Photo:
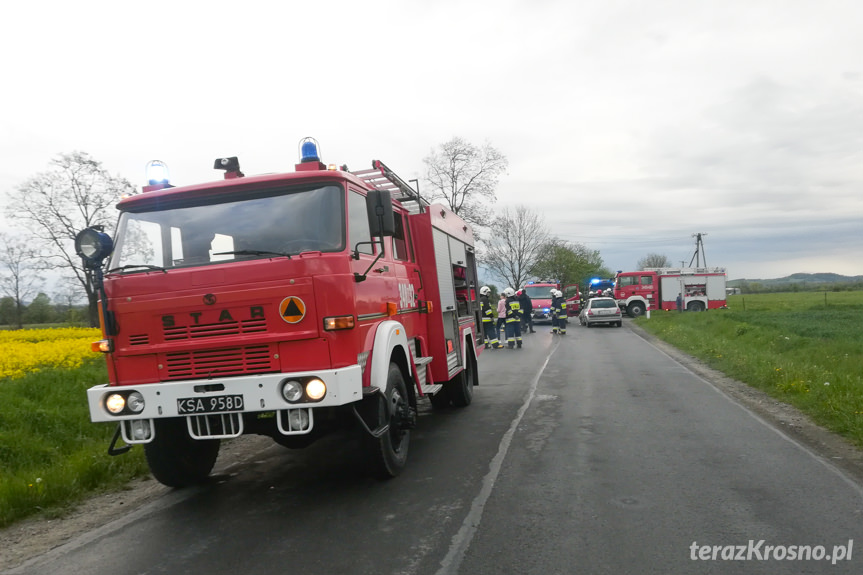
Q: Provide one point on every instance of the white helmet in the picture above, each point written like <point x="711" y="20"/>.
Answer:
<point x="558" y="293"/>
<point x="509" y="292"/>
<point x="484" y="290"/>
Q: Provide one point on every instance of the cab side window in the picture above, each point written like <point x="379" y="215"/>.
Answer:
<point x="401" y="240"/>
<point x="647" y="280"/>
<point x="358" y="224"/>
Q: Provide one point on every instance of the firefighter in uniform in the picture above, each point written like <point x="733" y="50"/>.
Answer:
<point x="558" y="311"/>
<point x="488" y="319"/>
<point x="553" y="313"/>
<point x="513" y="319"/>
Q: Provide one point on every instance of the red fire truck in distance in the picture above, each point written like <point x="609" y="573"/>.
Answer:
<point x="539" y="293"/>
<point x="286" y="305"/>
<point x="659" y="288"/>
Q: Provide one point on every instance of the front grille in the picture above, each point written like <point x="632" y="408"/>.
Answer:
<point x="181" y="332"/>
<point x="219" y="362"/>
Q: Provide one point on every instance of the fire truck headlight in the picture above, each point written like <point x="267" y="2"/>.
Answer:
<point x="298" y="419"/>
<point x="140" y="428"/>
<point x="292" y="391"/>
<point x="316" y="389"/>
<point x="135" y="402"/>
<point x="115" y="403"/>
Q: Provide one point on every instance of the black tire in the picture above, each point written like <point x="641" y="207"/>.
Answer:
<point x="440" y="400"/>
<point x="636" y="309"/>
<point x="389" y="452"/>
<point x="177" y="460"/>
<point x="695" y="306"/>
<point x="620" y="324"/>
<point x="460" y="388"/>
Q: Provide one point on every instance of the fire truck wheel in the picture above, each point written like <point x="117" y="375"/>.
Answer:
<point x="389" y="452"/>
<point x="177" y="460"/>
<point x="460" y="388"/>
<point x="440" y="400"/>
<point x="635" y="309"/>
<point x="695" y="306"/>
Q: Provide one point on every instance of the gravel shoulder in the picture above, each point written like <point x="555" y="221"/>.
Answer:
<point x="36" y="536"/>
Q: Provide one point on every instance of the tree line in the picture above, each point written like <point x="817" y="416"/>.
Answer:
<point x="514" y="244"/>
<point x="41" y="310"/>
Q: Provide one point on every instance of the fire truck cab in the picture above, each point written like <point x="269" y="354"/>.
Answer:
<point x="287" y="305"/>
<point x="539" y="293"/>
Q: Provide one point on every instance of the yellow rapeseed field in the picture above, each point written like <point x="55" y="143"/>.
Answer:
<point x="27" y="350"/>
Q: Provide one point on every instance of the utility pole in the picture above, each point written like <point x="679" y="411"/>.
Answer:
<point x="699" y="251"/>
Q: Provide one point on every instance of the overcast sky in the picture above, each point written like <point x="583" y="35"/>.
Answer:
<point x="629" y="125"/>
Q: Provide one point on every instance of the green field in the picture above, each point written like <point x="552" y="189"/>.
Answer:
<point x="51" y="455"/>
<point x="804" y="348"/>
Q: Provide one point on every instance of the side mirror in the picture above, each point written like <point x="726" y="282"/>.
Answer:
<point x="379" y="204"/>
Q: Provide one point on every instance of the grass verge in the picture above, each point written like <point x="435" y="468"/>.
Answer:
<point x="51" y="455"/>
<point x="803" y="349"/>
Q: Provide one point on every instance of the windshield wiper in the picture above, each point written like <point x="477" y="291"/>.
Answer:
<point x="135" y="266"/>
<point x="253" y="253"/>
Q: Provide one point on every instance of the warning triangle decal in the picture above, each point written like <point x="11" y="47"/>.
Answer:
<point x="292" y="309"/>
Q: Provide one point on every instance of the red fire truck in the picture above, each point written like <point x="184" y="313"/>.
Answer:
<point x="659" y="288"/>
<point x="286" y="305"/>
<point x="539" y="293"/>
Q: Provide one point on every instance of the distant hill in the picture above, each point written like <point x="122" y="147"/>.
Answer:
<point x="798" y="279"/>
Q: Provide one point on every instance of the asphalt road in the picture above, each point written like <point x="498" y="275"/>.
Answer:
<point x="592" y="452"/>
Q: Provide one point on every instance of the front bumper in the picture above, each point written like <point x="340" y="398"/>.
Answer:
<point x="259" y="393"/>
<point x="541" y="315"/>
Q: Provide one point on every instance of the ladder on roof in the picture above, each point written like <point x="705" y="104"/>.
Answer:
<point x="381" y="177"/>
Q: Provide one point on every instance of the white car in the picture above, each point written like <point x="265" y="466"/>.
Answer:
<point x="601" y="310"/>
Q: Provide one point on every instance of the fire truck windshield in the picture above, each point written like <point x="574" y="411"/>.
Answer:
<point x="215" y="229"/>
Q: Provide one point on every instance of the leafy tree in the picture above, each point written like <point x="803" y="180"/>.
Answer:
<point x="18" y="279"/>
<point x="76" y="192"/>
<point x="653" y="261"/>
<point x="40" y="310"/>
<point x="465" y="176"/>
<point x="569" y="263"/>
<point x="515" y="245"/>
<point x="8" y="311"/>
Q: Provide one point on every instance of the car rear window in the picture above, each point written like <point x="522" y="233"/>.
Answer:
<point x="603" y="303"/>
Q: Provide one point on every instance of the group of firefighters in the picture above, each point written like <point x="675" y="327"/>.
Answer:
<point x="514" y="311"/>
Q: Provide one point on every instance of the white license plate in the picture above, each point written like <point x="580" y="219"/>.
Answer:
<point x="209" y="404"/>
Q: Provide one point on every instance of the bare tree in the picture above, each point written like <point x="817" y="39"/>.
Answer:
<point x="515" y="245"/>
<point x="18" y="274"/>
<point x="75" y="193"/>
<point x="465" y="177"/>
<point x="653" y="261"/>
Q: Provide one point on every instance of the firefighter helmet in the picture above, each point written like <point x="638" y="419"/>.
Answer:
<point x="509" y="292"/>
<point x="484" y="290"/>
